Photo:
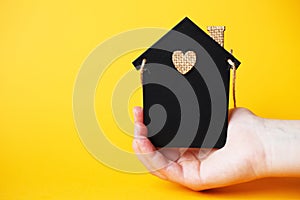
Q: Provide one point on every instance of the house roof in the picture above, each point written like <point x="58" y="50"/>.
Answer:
<point x="192" y="31"/>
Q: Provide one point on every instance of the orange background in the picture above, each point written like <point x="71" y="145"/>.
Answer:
<point x="42" y="46"/>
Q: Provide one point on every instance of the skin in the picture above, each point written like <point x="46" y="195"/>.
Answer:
<point x="255" y="148"/>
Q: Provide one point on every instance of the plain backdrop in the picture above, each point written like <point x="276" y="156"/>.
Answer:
<point x="42" y="47"/>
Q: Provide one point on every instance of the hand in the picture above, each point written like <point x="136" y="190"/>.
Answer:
<point x="247" y="155"/>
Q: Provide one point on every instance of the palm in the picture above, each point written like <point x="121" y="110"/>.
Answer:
<point x="201" y="168"/>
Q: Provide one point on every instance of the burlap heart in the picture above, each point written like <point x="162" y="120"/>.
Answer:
<point x="184" y="62"/>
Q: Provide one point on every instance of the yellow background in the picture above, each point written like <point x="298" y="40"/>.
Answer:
<point x="43" y="44"/>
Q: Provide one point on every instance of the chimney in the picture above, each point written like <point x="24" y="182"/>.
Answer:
<point x="217" y="33"/>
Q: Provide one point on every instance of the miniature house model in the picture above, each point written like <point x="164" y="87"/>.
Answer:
<point x="185" y="78"/>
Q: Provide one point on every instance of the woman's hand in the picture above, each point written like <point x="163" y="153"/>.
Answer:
<point x="248" y="154"/>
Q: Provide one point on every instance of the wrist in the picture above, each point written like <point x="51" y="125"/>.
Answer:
<point x="281" y="139"/>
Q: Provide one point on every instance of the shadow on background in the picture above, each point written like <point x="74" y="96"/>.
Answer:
<point x="275" y="188"/>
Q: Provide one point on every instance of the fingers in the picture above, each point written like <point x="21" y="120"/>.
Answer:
<point x="146" y="152"/>
<point x="150" y="157"/>
<point x="170" y="153"/>
<point x="138" y="114"/>
<point x="203" y="153"/>
<point x="154" y="160"/>
<point x="140" y="130"/>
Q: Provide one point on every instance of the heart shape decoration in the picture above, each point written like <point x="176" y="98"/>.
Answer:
<point x="184" y="62"/>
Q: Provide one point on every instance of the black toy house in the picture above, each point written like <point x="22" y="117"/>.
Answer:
<point x="185" y="77"/>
